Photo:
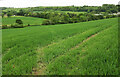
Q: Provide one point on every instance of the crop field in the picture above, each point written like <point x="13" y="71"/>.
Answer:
<point x="26" y="20"/>
<point x="86" y="48"/>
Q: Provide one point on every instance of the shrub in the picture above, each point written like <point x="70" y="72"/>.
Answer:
<point x="118" y="15"/>
<point x="83" y="19"/>
<point x="19" y="21"/>
<point x="28" y="25"/>
<point x="16" y="25"/>
<point x="2" y="15"/>
<point x="111" y="16"/>
<point x="9" y="14"/>
<point x="48" y="22"/>
<point x="4" y="27"/>
<point x="100" y="17"/>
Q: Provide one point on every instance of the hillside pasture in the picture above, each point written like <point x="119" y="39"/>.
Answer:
<point x="26" y="20"/>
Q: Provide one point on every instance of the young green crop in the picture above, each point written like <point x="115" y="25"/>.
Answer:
<point x="96" y="56"/>
<point x="20" y="45"/>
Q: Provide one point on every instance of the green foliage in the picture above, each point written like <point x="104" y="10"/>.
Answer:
<point x="67" y="14"/>
<point x="64" y="18"/>
<point x="9" y="14"/>
<point x="100" y="17"/>
<point x="16" y="25"/>
<point x="19" y="21"/>
<point x="28" y="24"/>
<point x="21" y="12"/>
<point x="83" y="18"/>
<point x="111" y="8"/>
<point x="48" y="22"/>
<point x="4" y="27"/>
<point x="3" y="15"/>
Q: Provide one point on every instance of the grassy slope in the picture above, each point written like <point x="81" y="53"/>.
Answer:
<point x="22" y="47"/>
<point x="26" y="20"/>
<point x="96" y="56"/>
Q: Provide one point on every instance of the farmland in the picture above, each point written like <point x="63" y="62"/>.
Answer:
<point x="61" y="12"/>
<point x="86" y="48"/>
<point x="26" y="20"/>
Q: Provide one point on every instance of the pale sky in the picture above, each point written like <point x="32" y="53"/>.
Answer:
<point x="33" y="3"/>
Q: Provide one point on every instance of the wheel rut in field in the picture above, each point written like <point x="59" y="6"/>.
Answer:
<point x="41" y="66"/>
<point x="93" y="35"/>
<point x="78" y="45"/>
<point x="39" y="70"/>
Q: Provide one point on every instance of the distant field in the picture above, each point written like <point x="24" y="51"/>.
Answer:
<point x="86" y="48"/>
<point x="61" y="12"/>
<point x="26" y="20"/>
<point x="72" y="12"/>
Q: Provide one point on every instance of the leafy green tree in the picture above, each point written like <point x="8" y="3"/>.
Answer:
<point x="48" y="22"/>
<point x="4" y="27"/>
<point x="2" y="15"/>
<point x="21" y="12"/>
<point x="29" y="14"/>
<point x="16" y="25"/>
<point x="100" y="17"/>
<point x="66" y="18"/>
<point x="19" y="21"/>
<point x="9" y="14"/>
<point x="83" y="18"/>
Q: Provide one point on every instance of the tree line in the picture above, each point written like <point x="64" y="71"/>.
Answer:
<point x="109" y="8"/>
<point x="105" y="8"/>
<point x="65" y="17"/>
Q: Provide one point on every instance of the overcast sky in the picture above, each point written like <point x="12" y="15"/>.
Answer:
<point x="33" y="3"/>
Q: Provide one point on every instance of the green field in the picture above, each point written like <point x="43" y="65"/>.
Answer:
<point x="71" y="12"/>
<point x="86" y="48"/>
<point x="26" y="20"/>
<point x="60" y="12"/>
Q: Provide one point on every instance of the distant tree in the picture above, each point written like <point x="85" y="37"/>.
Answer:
<point x="66" y="18"/>
<point x="3" y="8"/>
<point x="100" y="17"/>
<point x="109" y="11"/>
<point x="19" y="21"/>
<point x="2" y="15"/>
<point x="83" y="18"/>
<point x="114" y="10"/>
<point x="9" y="14"/>
<point x="54" y="19"/>
<point x="21" y="12"/>
<point x="28" y="25"/>
<point x="29" y="14"/>
<point x="48" y="22"/>
<point x="4" y="27"/>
